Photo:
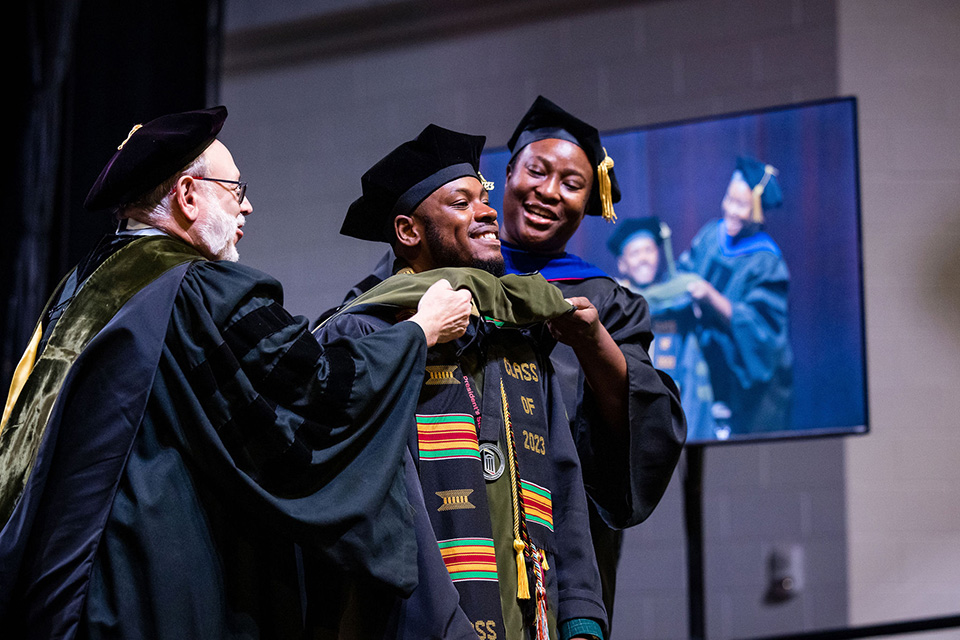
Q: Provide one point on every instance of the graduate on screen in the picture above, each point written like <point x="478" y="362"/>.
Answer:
<point x="743" y="326"/>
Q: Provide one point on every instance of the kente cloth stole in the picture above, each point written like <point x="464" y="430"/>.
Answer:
<point x="453" y="455"/>
<point x="103" y="294"/>
<point x="457" y="456"/>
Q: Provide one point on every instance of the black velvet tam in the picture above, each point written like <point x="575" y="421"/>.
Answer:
<point x="152" y="153"/>
<point x="546" y="120"/>
<point x="399" y="182"/>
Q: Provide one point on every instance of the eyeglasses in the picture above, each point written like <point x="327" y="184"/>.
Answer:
<point x="240" y="189"/>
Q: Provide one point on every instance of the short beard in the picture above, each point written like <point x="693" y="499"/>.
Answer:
<point x="216" y="232"/>
<point x="444" y="256"/>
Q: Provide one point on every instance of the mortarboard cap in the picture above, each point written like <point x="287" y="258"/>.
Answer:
<point x="762" y="179"/>
<point x="631" y="228"/>
<point x="152" y="153"/>
<point x="404" y="178"/>
<point x="546" y="120"/>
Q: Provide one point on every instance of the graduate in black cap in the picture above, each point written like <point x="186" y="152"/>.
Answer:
<point x="637" y="244"/>
<point x="644" y="251"/>
<point x="501" y="519"/>
<point x="176" y="445"/>
<point x="743" y="298"/>
<point x="625" y="415"/>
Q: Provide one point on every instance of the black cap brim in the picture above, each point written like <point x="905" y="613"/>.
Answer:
<point x="406" y="176"/>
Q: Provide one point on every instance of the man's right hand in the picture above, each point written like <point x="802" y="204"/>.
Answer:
<point x="443" y="313"/>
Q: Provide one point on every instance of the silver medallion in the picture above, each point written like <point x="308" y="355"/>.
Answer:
<point x="493" y="461"/>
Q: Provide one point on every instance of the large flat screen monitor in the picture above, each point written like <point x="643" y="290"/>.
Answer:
<point x="759" y="322"/>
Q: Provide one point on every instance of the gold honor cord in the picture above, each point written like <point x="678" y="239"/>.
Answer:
<point x="21" y="373"/>
<point x="768" y="171"/>
<point x="537" y="556"/>
<point x="606" y="190"/>
<point x="523" y="588"/>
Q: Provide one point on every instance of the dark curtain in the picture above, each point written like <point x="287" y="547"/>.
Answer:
<point x="83" y="72"/>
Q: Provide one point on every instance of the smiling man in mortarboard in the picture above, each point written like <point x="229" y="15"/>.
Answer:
<point x="501" y="521"/>
<point x="175" y="444"/>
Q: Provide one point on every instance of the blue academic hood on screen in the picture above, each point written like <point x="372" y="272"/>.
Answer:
<point x="791" y="361"/>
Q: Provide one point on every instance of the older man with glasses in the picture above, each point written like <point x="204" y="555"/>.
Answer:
<point x="176" y="447"/>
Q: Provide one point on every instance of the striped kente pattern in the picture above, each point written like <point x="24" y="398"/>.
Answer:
<point x="447" y="437"/>
<point x="537" y="503"/>
<point x="469" y="559"/>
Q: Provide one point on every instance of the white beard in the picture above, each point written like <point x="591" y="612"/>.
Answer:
<point x="217" y="231"/>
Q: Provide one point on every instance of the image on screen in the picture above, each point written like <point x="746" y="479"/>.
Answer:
<point x="742" y="231"/>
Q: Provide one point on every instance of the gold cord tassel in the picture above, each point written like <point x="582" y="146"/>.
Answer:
<point x="606" y="190"/>
<point x="768" y="171"/>
<point x="523" y="586"/>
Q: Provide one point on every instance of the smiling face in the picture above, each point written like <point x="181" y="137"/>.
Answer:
<point x="737" y="205"/>
<point x="453" y="227"/>
<point x="639" y="260"/>
<point x="548" y="188"/>
<point x="217" y="229"/>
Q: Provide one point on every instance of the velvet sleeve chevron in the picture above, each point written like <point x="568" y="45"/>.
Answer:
<point x="311" y="438"/>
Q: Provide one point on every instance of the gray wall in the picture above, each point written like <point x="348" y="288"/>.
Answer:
<point x="313" y="106"/>
<point x="902" y="58"/>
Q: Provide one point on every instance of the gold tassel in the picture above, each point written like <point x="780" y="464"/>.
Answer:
<point x="757" y="215"/>
<point x="523" y="587"/>
<point x="606" y="189"/>
<point x="768" y="171"/>
<point x="21" y="373"/>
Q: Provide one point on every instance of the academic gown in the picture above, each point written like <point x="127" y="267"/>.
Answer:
<point x="434" y="609"/>
<point x="750" y="359"/>
<point x="624" y="484"/>
<point x="200" y="452"/>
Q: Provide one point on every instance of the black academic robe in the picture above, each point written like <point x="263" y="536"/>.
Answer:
<point x="625" y="484"/>
<point x="201" y="449"/>
<point x="750" y="359"/>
